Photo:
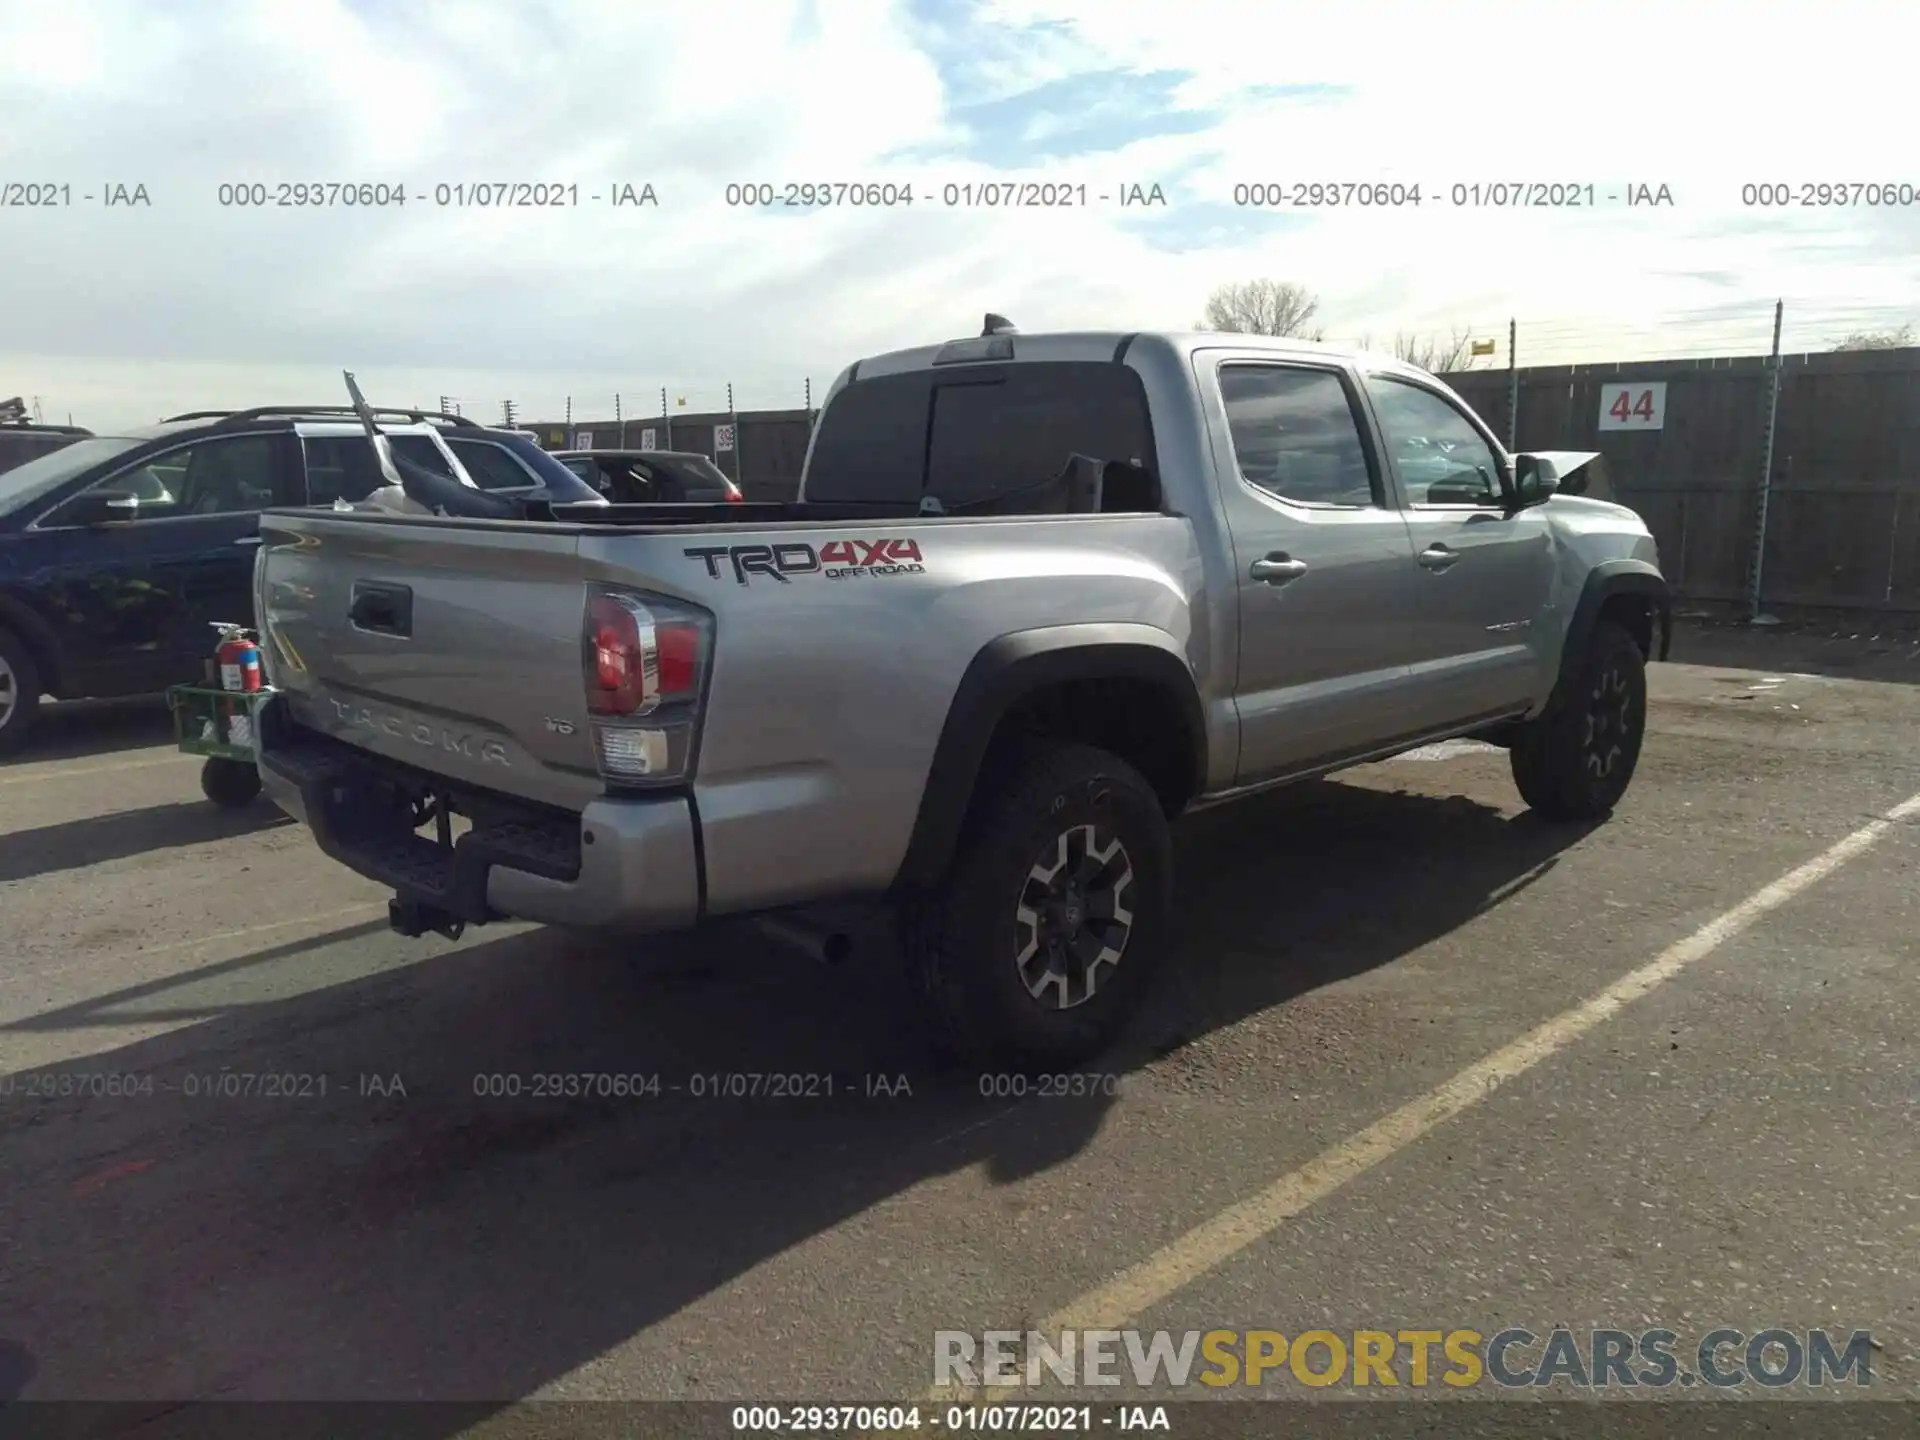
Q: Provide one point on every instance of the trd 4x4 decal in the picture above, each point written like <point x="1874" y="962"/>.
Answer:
<point x="837" y="559"/>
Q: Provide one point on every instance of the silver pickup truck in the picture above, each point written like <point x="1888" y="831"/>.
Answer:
<point x="1039" y="596"/>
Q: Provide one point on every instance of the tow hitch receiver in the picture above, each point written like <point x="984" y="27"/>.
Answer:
<point x="412" y="919"/>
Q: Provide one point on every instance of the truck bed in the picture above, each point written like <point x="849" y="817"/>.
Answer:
<point x="839" y="643"/>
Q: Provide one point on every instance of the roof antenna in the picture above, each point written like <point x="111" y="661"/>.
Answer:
<point x="999" y="325"/>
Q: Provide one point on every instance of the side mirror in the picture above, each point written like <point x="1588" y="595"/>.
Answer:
<point x="1535" y="480"/>
<point x="105" y="507"/>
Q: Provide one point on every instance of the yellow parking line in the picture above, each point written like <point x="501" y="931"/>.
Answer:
<point x="1213" y="1242"/>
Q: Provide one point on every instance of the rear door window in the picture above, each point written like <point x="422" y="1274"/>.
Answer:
<point x="340" y="468"/>
<point x="420" y="450"/>
<point x="492" y="467"/>
<point x="1296" y="435"/>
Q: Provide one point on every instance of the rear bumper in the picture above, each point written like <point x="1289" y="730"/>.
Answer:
<point x="625" y="864"/>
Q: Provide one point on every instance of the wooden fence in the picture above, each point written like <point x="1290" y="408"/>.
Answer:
<point x="1843" y="514"/>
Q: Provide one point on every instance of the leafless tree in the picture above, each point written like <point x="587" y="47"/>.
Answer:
<point x="1878" y="339"/>
<point x="1432" y="354"/>
<point x="1263" y="307"/>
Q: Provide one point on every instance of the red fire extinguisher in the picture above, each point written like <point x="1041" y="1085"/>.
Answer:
<point x="239" y="660"/>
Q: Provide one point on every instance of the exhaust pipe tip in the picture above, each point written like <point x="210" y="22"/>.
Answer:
<point x="829" y="947"/>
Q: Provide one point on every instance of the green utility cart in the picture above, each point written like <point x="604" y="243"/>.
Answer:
<point x="223" y="726"/>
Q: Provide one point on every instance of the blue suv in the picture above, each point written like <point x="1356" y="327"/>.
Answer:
<point x="118" y="553"/>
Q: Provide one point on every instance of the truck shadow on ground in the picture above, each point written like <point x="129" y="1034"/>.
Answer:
<point x="451" y="1243"/>
<point x="78" y="729"/>
<point x="98" y="839"/>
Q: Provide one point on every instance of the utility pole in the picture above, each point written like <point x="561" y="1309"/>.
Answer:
<point x="733" y="428"/>
<point x="506" y="413"/>
<point x="666" y="418"/>
<point x="1513" y="384"/>
<point x="620" y="420"/>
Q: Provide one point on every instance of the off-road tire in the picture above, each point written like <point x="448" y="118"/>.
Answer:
<point x="230" y="784"/>
<point x="1576" y="761"/>
<point x="964" y="940"/>
<point x="19" y="720"/>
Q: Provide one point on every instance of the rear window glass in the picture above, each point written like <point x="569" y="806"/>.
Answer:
<point x="1019" y="432"/>
<point x="872" y="445"/>
<point x="973" y="436"/>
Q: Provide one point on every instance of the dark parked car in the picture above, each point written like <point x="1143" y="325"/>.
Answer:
<point x="659" y="477"/>
<point x="22" y="440"/>
<point x="118" y="553"/>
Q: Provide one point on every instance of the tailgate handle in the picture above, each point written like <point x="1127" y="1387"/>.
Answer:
<point x="382" y="609"/>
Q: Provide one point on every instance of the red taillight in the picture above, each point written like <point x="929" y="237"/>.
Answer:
<point x="677" y="647"/>
<point x="734" y="497"/>
<point x="616" y="683"/>
<point x="638" y="659"/>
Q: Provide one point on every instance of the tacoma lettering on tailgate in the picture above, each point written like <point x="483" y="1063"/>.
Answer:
<point x="837" y="559"/>
<point x="435" y="737"/>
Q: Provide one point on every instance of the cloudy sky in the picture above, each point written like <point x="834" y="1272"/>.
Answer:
<point x="119" y="313"/>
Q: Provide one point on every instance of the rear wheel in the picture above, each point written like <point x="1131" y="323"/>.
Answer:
<point x="1054" y="916"/>
<point x="1576" y="762"/>
<point x="19" y="692"/>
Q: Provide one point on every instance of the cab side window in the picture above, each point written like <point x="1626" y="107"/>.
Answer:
<point x="1296" y="436"/>
<point x="1441" y="457"/>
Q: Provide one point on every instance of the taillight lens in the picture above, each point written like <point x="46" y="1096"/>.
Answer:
<point x="734" y="497"/>
<point x="644" y="659"/>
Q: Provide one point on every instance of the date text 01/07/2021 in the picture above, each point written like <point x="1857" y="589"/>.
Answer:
<point x="1460" y="195"/>
<point x="967" y="195"/>
<point x="700" y="1085"/>
<point x="456" y="195"/>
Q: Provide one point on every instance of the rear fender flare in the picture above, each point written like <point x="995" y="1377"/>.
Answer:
<point x="1007" y="671"/>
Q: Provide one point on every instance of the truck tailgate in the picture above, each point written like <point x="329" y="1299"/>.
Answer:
<point x="453" y="646"/>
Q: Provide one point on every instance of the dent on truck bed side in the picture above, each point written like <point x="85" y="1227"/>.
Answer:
<point x="1013" y="668"/>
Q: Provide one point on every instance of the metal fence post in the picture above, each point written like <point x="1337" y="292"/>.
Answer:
<point x="1755" y="615"/>
<point x="1513" y="384"/>
<point x="733" y="423"/>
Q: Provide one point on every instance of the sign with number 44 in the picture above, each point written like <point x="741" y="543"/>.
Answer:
<point x="1637" y="406"/>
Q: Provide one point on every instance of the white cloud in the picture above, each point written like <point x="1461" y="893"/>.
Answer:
<point x="121" y="314"/>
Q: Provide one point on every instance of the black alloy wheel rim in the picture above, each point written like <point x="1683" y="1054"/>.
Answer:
<point x="1074" y="917"/>
<point x="1609" y="722"/>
